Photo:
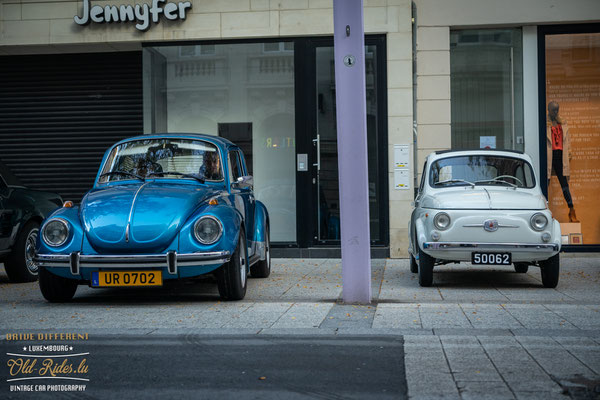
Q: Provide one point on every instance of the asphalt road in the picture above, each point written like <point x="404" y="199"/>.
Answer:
<point x="235" y="367"/>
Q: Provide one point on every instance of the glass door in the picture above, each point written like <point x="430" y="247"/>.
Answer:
<point x="323" y="147"/>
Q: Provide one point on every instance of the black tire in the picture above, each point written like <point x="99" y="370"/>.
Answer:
<point x="426" y="263"/>
<point x="56" y="289"/>
<point x="521" y="268"/>
<point x="232" y="276"/>
<point x="414" y="267"/>
<point x="262" y="268"/>
<point x="550" y="269"/>
<point x="19" y="264"/>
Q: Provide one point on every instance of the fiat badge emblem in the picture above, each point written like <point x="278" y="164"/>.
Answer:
<point x="490" y="225"/>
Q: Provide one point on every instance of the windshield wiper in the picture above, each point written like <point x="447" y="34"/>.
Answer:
<point x="454" y="181"/>
<point x="123" y="173"/>
<point x="496" y="181"/>
<point x="500" y="180"/>
<point x="198" y="178"/>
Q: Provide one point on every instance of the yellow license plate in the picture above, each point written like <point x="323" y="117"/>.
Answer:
<point x="126" y="278"/>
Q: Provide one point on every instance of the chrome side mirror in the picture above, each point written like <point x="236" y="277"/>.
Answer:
<point x="243" y="182"/>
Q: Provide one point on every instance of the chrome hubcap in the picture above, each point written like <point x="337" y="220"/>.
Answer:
<point x="268" y="251"/>
<point x="30" y="251"/>
<point x="243" y="271"/>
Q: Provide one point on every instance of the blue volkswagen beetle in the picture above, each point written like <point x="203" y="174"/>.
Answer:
<point x="162" y="207"/>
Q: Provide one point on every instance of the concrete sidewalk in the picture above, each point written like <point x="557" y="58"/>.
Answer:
<point x="306" y="295"/>
<point x="477" y="333"/>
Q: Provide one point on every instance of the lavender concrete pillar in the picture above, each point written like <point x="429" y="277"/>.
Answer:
<point x="352" y="149"/>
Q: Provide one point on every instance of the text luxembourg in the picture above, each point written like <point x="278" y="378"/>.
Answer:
<point x="140" y="13"/>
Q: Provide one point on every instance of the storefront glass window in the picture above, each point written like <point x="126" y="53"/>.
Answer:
<point x="573" y="134"/>
<point x="486" y="81"/>
<point x="244" y="92"/>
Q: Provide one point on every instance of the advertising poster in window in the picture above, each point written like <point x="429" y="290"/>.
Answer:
<point x="573" y="134"/>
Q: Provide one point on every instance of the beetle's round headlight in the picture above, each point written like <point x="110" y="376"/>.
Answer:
<point x="56" y="232"/>
<point x="441" y="221"/>
<point x="538" y="221"/>
<point x="208" y="230"/>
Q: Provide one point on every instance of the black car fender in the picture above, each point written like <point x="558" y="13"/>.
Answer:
<point x="34" y="206"/>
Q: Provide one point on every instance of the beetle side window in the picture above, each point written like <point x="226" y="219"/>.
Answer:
<point x="235" y="170"/>
<point x="243" y="168"/>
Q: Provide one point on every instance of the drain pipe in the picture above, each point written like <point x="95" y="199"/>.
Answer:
<point x="414" y="76"/>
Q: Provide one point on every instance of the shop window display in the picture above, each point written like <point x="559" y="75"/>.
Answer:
<point x="573" y="134"/>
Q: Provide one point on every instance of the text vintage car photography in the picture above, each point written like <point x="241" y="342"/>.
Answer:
<point x="46" y="362"/>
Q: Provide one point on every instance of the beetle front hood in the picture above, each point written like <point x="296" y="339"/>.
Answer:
<point x="154" y="210"/>
<point x="481" y="198"/>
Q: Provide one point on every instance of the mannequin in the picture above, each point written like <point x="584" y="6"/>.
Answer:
<point x="559" y="154"/>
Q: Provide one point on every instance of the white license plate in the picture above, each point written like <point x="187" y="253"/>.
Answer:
<point x="491" y="258"/>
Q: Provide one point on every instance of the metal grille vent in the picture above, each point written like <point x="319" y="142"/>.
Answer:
<point x="59" y="114"/>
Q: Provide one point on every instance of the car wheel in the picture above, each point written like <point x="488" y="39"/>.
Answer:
<point x="550" y="269"/>
<point x="414" y="267"/>
<point x="426" y="263"/>
<point x="56" y="289"/>
<point x="521" y="268"/>
<point x="231" y="277"/>
<point x="19" y="264"/>
<point x="262" y="268"/>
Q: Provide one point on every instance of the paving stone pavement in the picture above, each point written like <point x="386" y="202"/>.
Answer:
<point x="478" y="333"/>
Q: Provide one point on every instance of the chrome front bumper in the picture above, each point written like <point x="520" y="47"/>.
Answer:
<point x="512" y="247"/>
<point x="171" y="260"/>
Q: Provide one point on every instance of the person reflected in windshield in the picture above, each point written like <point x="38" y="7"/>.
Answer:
<point x="559" y="154"/>
<point x="211" y="169"/>
<point x="146" y="167"/>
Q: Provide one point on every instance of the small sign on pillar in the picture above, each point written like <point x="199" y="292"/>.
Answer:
<point x="401" y="156"/>
<point x="401" y="166"/>
<point x="401" y="178"/>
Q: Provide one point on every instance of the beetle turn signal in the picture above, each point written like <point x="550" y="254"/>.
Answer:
<point x="68" y="204"/>
<point x="213" y="202"/>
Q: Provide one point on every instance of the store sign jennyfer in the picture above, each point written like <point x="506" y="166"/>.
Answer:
<point x="140" y="13"/>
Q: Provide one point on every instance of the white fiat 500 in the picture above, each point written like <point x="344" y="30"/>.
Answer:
<point x="484" y="207"/>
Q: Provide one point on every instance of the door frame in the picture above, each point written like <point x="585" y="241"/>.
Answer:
<point x="306" y="128"/>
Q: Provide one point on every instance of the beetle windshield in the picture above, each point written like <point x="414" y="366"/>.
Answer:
<point x="163" y="158"/>
<point x="481" y="170"/>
